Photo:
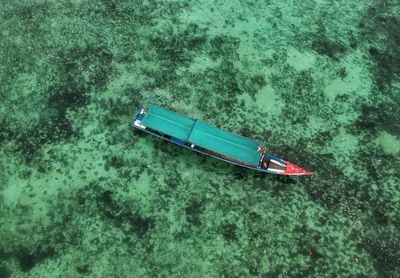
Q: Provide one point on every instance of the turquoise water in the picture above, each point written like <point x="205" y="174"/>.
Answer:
<point x="82" y="194"/>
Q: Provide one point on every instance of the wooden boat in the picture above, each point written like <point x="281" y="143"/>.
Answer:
<point x="206" y="139"/>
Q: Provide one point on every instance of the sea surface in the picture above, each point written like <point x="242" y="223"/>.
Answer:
<point x="84" y="195"/>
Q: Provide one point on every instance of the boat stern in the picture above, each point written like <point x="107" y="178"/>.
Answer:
<point x="137" y="122"/>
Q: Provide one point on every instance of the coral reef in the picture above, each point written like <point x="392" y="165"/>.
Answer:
<point x="81" y="194"/>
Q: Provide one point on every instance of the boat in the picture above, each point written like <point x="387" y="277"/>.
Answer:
<point x="206" y="139"/>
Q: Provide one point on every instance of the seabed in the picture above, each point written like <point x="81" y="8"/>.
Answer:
<point x="82" y="194"/>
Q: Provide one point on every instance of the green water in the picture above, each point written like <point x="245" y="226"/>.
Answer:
<point x="82" y="194"/>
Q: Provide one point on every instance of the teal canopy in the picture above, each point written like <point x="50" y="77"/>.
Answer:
<point x="226" y="143"/>
<point x="168" y="122"/>
<point x="202" y="134"/>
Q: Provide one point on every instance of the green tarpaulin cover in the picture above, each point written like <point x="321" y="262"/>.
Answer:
<point x="225" y="142"/>
<point x="168" y="122"/>
<point x="202" y="134"/>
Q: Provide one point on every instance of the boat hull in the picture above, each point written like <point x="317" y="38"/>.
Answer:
<point x="290" y="169"/>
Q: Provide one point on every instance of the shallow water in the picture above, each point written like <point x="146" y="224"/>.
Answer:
<point x="84" y="195"/>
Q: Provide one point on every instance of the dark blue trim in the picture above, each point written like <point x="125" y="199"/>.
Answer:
<point x="270" y="156"/>
<point x="177" y="141"/>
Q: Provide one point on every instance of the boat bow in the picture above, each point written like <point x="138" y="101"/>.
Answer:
<point x="292" y="169"/>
